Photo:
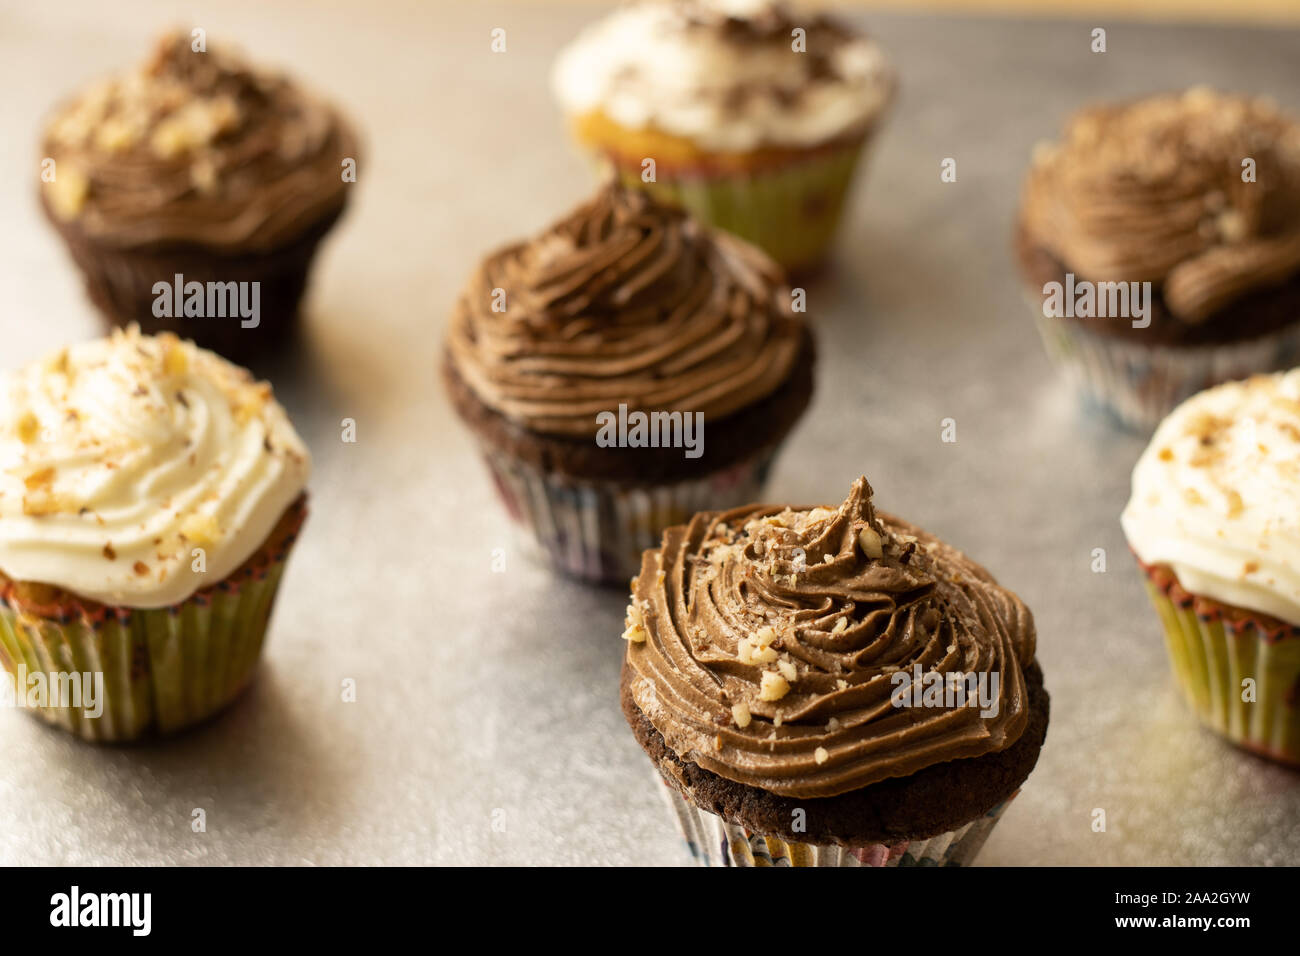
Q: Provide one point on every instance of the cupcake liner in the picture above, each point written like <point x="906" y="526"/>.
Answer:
<point x="1212" y="653"/>
<point x="1139" y="384"/>
<point x="713" y="841"/>
<point x="163" y="669"/>
<point x="791" y="211"/>
<point x="120" y="282"/>
<point x="597" y="530"/>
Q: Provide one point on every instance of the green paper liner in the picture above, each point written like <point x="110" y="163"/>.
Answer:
<point x="1213" y="648"/>
<point x="792" y="212"/>
<point x="164" y="669"/>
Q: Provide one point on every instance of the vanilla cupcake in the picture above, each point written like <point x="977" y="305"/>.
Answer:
<point x="193" y="192"/>
<point x="750" y="115"/>
<point x="150" y="494"/>
<point x="1214" y="520"/>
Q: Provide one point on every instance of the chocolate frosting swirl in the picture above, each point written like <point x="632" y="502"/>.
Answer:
<point x="834" y="603"/>
<point x="1152" y="191"/>
<point x="623" y="301"/>
<point x="197" y="147"/>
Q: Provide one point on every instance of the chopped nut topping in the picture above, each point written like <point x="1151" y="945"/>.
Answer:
<point x="750" y="653"/>
<point x="195" y="124"/>
<point x="787" y="670"/>
<point x="29" y="428"/>
<point x="115" y="135"/>
<point x="200" y="530"/>
<point x="68" y="192"/>
<point x="869" y="542"/>
<point x="175" y="359"/>
<point x="39" y="479"/>
<point x="821" y="756"/>
<point x="58" y="363"/>
<point x="40" y="504"/>
<point x="772" y="687"/>
<point x="740" y="714"/>
<point x="1235" y="505"/>
<point x="635" y="632"/>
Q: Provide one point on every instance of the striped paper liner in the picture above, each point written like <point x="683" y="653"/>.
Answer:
<point x="1138" y="384"/>
<point x="1214" y="653"/>
<point x="597" y="530"/>
<point x="713" y="841"/>
<point x="163" y="669"/>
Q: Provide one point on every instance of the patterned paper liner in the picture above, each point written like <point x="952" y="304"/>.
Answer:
<point x="164" y="669"/>
<point x="597" y="530"/>
<point x="1139" y="384"/>
<point x="1212" y="653"/>
<point x="713" y="841"/>
<point x="792" y="212"/>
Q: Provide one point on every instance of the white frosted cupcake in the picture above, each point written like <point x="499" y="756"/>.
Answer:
<point x="749" y="114"/>
<point x="1214" y="520"/>
<point x="150" y="493"/>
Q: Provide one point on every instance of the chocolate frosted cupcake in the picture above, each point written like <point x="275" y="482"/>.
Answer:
<point x="754" y="115"/>
<point x="1214" y="520"/>
<point x="793" y="674"/>
<point x="1196" y="195"/>
<point x="192" y="193"/>
<point x="622" y="370"/>
<point x="150" y="493"/>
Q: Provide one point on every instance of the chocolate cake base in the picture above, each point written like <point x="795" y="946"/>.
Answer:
<point x="120" y="281"/>
<point x="927" y="803"/>
<point x="726" y="440"/>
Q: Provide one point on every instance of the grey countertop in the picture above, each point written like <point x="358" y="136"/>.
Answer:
<point x="487" y="728"/>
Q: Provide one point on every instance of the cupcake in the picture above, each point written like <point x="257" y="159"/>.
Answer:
<point x="150" y="493"/>
<point x="829" y="687"/>
<point x="754" y="116"/>
<point x="622" y="370"/>
<point x="1214" y="520"/>
<point x="192" y="193"/>
<point x="1160" y="246"/>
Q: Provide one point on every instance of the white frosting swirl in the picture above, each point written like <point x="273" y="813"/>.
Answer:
<point x="1216" y="495"/>
<point x="671" y="67"/>
<point x="120" y="457"/>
